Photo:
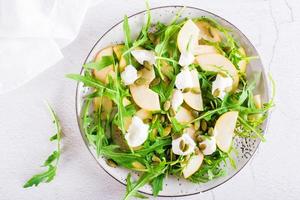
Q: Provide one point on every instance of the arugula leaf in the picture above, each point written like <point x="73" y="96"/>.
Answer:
<point x="48" y="175"/>
<point x="157" y="184"/>
<point x="104" y="62"/>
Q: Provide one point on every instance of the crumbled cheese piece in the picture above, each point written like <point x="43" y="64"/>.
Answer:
<point x="137" y="132"/>
<point x="186" y="58"/>
<point x="177" y="99"/>
<point x="210" y="143"/>
<point x="186" y="138"/>
<point x="220" y="84"/>
<point x="184" y="79"/>
<point x="129" y="75"/>
<point x="143" y="55"/>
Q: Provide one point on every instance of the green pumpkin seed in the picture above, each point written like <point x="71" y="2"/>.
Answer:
<point x="140" y="81"/>
<point x="167" y="105"/>
<point x="185" y="90"/>
<point x="203" y="125"/>
<point x="138" y="165"/>
<point x="196" y="90"/>
<point x="195" y="113"/>
<point x="172" y="112"/>
<point x="156" y="159"/>
<point x="196" y="125"/>
<point x="147" y="65"/>
<point x="197" y="151"/>
<point x="199" y="132"/>
<point x="162" y="118"/>
<point x="167" y="131"/>
<point x="202" y="146"/>
<point x="186" y="147"/>
<point x="216" y="92"/>
<point x="199" y="138"/>
<point x="182" y="145"/>
<point x="211" y="131"/>
<point x="155" y="82"/>
<point x="153" y="134"/>
<point x="111" y="163"/>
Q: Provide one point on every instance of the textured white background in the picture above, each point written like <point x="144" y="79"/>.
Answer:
<point x="273" y="27"/>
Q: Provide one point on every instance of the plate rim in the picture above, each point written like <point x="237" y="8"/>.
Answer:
<point x="266" y="85"/>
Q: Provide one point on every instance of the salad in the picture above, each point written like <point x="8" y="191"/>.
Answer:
<point x="171" y="101"/>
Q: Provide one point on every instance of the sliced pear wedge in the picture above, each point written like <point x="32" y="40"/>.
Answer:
<point x="194" y="100"/>
<point x="191" y="131"/>
<point x="144" y="114"/>
<point x="144" y="97"/>
<point x="118" y="50"/>
<point x="205" y="49"/>
<point x="184" y="115"/>
<point x="102" y="74"/>
<point x="193" y="164"/>
<point x="208" y="32"/>
<point x="188" y="37"/>
<point x="148" y="75"/>
<point x="243" y="63"/>
<point x="224" y="130"/>
<point x="219" y="63"/>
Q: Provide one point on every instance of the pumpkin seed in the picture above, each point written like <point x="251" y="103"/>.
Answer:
<point x="155" y="82"/>
<point x="197" y="151"/>
<point x="147" y="121"/>
<point x="202" y="146"/>
<point x="196" y="125"/>
<point x="199" y="132"/>
<point x="211" y="131"/>
<point x="147" y="65"/>
<point x="153" y="134"/>
<point x="186" y="147"/>
<point x="182" y="145"/>
<point x="138" y="165"/>
<point x="162" y="118"/>
<point x="216" y="92"/>
<point x="111" y="163"/>
<point x="172" y="112"/>
<point x="155" y="158"/>
<point x="196" y="90"/>
<point x="167" y="131"/>
<point x="199" y="138"/>
<point x="185" y="90"/>
<point x="203" y="125"/>
<point x="167" y="105"/>
<point x="140" y="81"/>
<point x="195" y="113"/>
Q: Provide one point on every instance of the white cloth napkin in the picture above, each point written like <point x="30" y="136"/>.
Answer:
<point x="32" y="34"/>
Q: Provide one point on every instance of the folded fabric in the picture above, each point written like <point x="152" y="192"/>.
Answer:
<point x="32" y="34"/>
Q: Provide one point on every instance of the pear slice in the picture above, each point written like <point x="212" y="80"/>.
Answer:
<point x="184" y="115"/>
<point x="191" y="131"/>
<point x="205" y="49"/>
<point x="144" y="97"/>
<point x="219" y="63"/>
<point x="193" y="164"/>
<point x="257" y="101"/>
<point x="102" y="74"/>
<point x="208" y="32"/>
<point x="191" y="98"/>
<point x="188" y="37"/>
<point x="143" y="114"/>
<point x="224" y="130"/>
<point x="148" y="75"/>
<point x="243" y="63"/>
<point x="118" y="50"/>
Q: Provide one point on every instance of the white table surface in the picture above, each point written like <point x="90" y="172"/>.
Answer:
<point x="274" y="28"/>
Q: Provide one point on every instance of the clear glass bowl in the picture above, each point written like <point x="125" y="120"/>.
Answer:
<point x="174" y="187"/>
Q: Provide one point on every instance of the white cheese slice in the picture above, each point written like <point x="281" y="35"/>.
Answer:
<point x="186" y="138"/>
<point x="221" y="83"/>
<point x="137" y="132"/>
<point x="142" y="55"/>
<point x="129" y="75"/>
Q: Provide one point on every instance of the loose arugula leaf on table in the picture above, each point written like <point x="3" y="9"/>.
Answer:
<point x="52" y="161"/>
